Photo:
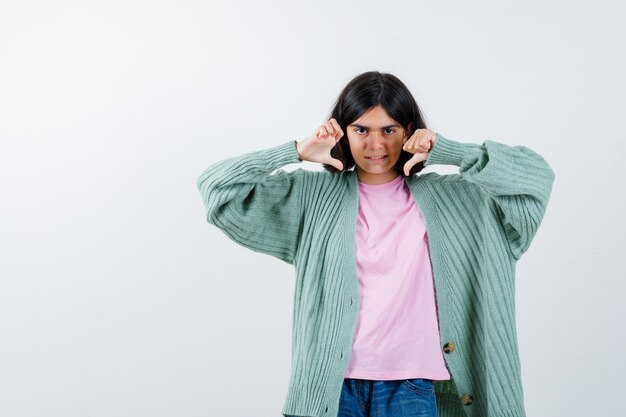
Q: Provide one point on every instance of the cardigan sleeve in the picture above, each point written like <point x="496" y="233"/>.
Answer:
<point x="516" y="177"/>
<point x="253" y="207"/>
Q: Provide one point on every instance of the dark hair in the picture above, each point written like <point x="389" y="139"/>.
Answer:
<point x="364" y="92"/>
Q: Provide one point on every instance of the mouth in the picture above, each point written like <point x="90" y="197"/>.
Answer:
<point x="376" y="157"/>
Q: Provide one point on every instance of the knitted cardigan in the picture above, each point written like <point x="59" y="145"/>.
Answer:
<point x="479" y="222"/>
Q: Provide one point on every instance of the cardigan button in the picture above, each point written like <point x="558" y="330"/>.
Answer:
<point x="449" y="347"/>
<point x="467" y="399"/>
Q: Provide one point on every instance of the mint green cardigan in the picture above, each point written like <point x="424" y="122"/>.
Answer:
<point x="479" y="222"/>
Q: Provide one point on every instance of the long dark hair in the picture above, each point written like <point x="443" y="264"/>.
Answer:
<point x="364" y="92"/>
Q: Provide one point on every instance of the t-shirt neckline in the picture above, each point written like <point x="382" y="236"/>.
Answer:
<point x="385" y="185"/>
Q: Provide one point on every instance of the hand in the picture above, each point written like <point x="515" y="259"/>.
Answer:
<point x="316" y="148"/>
<point x="420" y="144"/>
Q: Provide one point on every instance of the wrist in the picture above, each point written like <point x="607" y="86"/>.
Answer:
<point x="299" y="150"/>
<point x="446" y="151"/>
<point x="297" y="144"/>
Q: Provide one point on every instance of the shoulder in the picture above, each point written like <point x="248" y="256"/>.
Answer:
<point x="436" y="181"/>
<point x="458" y="195"/>
<point x="322" y="176"/>
<point x="313" y="179"/>
<point x="434" y="177"/>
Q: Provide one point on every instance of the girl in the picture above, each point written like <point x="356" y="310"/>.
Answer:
<point x="404" y="293"/>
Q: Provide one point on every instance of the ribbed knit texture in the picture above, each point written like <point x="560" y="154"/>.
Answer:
<point x="479" y="222"/>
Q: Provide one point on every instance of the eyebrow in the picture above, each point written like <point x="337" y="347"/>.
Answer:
<point x="365" y="127"/>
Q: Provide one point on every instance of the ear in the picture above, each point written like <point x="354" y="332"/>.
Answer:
<point x="406" y="136"/>
<point x="407" y="132"/>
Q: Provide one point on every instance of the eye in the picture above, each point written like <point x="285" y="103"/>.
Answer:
<point x="388" y="130"/>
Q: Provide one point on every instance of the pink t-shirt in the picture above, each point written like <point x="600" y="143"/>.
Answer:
<point x="397" y="334"/>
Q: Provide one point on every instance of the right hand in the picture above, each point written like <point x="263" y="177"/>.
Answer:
<point x="316" y="148"/>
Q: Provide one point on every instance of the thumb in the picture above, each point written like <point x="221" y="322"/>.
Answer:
<point x="415" y="159"/>
<point x="336" y="163"/>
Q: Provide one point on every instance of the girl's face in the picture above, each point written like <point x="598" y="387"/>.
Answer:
<point x="372" y="136"/>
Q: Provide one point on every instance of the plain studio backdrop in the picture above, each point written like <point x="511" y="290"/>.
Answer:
<point x="117" y="299"/>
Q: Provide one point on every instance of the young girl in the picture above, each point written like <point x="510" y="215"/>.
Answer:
<point x="404" y="293"/>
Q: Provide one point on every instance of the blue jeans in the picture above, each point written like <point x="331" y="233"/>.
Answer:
<point x="400" y="398"/>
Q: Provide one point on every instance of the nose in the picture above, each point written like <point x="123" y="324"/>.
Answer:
<point x="375" y="140"/>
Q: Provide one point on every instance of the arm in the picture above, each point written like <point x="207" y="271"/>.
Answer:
<point x="260" y="211"/>
<point x="517" y="178"/>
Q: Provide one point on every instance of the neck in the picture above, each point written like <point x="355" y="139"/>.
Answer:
<point x="367" y="178"/>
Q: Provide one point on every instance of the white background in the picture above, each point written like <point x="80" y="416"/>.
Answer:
<point x="118" y="299"/>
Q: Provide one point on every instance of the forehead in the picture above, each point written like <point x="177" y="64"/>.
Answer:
<point x="374" y="118"/>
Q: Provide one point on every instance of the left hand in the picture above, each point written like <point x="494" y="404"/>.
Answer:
<point x="420" y="144"/>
